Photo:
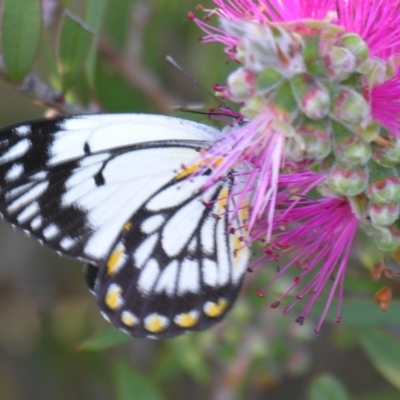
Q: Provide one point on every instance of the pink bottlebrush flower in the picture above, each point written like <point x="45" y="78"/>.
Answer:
<point x="318" y="86"/>
<point x="313" y="237"/>
<point x="377" y="22"/>
<point x="259" y="145"/>
<point x="385" y="103"/>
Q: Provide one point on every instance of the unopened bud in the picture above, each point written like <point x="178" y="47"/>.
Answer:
<point x="348" y="182"/>
<point x="241" y="84"/>
<point x="350" y="107"/>
<point x="268" y="79"/>
<point x="388" y="241"/>
<point x="388" y="156"/>
<point x="383" y="215"/>
<point x="315" y="142"/>
<point x="353" y="152"/>
<point x="359" y="205"/>
<point x="355" y="44"/>
<point x="340" y="63"/>
<point x="385" y="190"/>
<point x="313" y="99"/>
<point x="370" y="132"/>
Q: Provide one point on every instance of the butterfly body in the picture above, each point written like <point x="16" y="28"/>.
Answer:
<point x="113" y="191"/>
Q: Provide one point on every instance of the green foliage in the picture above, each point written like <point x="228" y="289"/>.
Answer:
<point x="130" y="384"/>
<point x="326" y="387"/>
<point x="22" y="20"/>
<point x="383" y="350"/>
<point x="108" y="338"/>
<point x="74" y="46"/>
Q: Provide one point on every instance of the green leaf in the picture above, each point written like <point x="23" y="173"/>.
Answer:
<point x="363" y="313"/>
<point x="132" y="385"/>
<point x="22" y="22"/>
<point x="384" y="352"/>
<point x="94" y="14"/>
<point x="192" y="360"/>
<point x="326" y="387"/>
<point x="74" y="46"/>
<point x="106" y="339"/>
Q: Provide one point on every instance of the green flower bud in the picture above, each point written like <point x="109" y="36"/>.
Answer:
<point x="340" y="63"/>
<point x="348" y="182"/>
<point x="385" y="190"/>
<point x="387" y="156"/>
<point x="241" y="84"/>
<point x="313" y="99"/>
<point x="315" y="142"/>
<point x="350" y="107"/>
<point x="350" y="150"/>
<point x="370" y="132"/>
<point x="268" y="79"/>
<point x="388" y="242"/>
<point x="261" y="45"/>
<point x="383" y="215"/>
<point x="355" y="44"/>
<point x="359" y="205"/>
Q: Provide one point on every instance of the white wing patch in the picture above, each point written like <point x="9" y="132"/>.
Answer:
<point x="189" y="277"/>
<point x="145" y="249"/>
<point x="16" y="151"/>
<point x="148" y="276"/>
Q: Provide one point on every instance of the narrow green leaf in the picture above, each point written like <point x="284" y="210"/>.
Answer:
<point x="74" y="46"/>
<point x="22" y="22"/>
<point x="132" y="385"/>
<point x="326" y="387"/>
<point x="384" y="352"/>
<point x="106" y="339"/>
<point x="53" y="75"/>
<point x="94" y="14"/>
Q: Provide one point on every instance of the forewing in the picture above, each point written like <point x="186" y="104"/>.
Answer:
<point x="73" y="182"/>
<point x="177" y="264"/>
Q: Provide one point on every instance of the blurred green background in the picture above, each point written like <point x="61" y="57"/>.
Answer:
<point x="53" y="342"/>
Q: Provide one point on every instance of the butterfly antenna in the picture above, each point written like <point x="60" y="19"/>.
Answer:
<point x="197" y="83"/>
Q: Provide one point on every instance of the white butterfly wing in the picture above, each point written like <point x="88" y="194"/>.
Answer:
<point x="109" y="189"/>
<point x="73" y="182"/>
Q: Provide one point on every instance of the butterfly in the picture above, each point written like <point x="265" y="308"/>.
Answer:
<point x="115" y="191"/>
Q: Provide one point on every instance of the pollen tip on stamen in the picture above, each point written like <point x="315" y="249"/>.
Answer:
<point x="297" y="280"/>
<point x="250" y="269"/>
<point x="338" y="319"/>
<point x="286" y="311"/>
<point x="276" y="304"/>
<point x="260" y="293"/>
<point x="316" y="331"/>
<point x="300" y="320"/>
<point x="191" y="16"/>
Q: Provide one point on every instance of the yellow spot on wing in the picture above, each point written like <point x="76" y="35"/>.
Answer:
<point x="155" y="323"/>
<point x="187" y="320"/>
<point x="244" y="212"/>
<point x="206" y="162"/>
<point x="222" y="201"/>
<point x="214" y="310"/>
<point x="114" y="260"/>
<point x="190" y="169"/>
<point x="129" y="319"/>
<point x="127" y="226"/>
<point x="113" y="298"/>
